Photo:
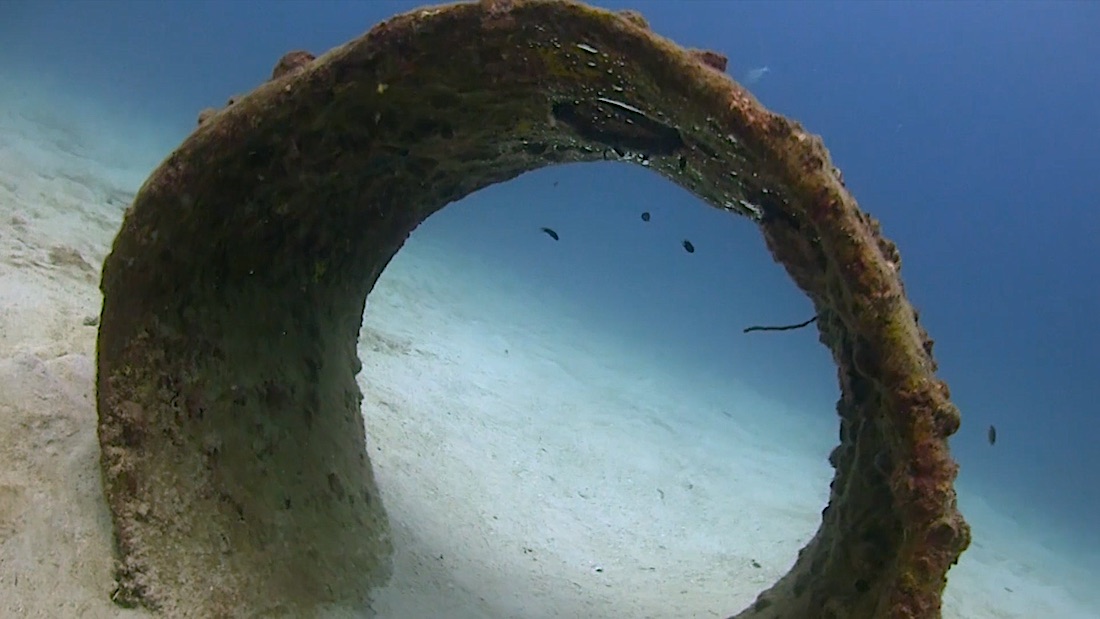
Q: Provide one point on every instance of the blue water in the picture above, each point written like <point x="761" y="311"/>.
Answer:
<point x="971" y="130"/>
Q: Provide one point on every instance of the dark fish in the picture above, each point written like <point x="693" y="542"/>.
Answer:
<point x="992" y="434"/>
<point x="645" y="216"/>
<point x="550" y="233"/>
<point x="689" y="247"/>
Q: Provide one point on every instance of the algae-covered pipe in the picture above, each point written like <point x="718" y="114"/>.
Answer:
<point x="229" y="416"/>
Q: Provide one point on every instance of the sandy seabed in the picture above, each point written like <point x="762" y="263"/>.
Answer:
<point x="531" y="466"/>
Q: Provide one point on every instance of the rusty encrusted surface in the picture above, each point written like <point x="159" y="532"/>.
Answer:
<point x="232" y="443"/>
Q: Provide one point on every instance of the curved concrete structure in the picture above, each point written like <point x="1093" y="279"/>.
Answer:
<point x="232" y="440"/>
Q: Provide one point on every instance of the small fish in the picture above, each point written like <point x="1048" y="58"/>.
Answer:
<point x="550" y="233"/>
<point x="689" y="247"/>
<point x="755" y="75"/>
<point x="645" y="216"/>
<point x="991" y="435"/>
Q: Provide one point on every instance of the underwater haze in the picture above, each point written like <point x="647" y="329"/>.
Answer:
<point x="589" y="397"/>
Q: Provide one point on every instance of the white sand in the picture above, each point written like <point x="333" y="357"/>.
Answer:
<point x="531" y="467"/>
